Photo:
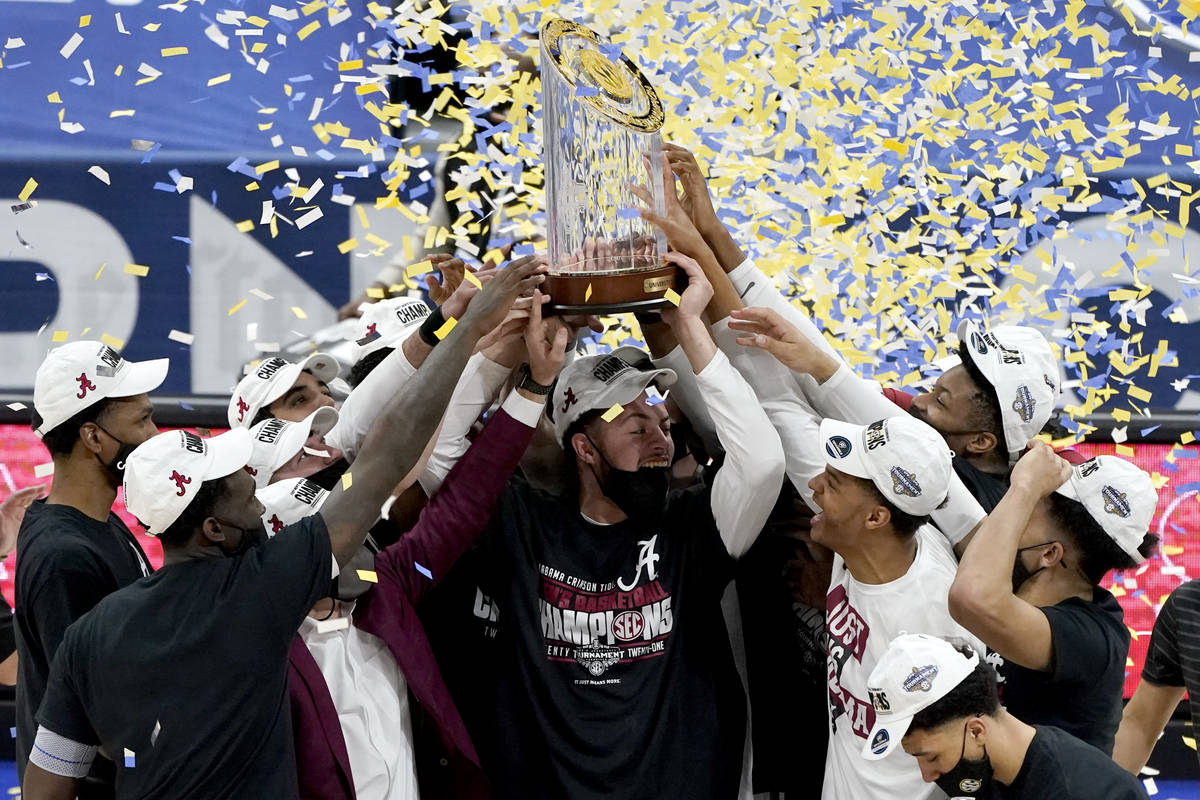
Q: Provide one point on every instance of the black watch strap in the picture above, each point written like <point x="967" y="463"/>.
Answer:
<point x="529" y="384"/>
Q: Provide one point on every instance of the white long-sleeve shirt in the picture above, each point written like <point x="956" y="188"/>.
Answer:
<point x="476" y="390"/>
<point x="848" y="396"/>
<point x="371" y="698"/>
<point x="747" y="484"/>
<point x="795" y="421"/>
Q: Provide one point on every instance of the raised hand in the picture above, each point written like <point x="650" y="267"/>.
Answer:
<point x="695" y="199"/>
<point x="545" y="342"/>
<point x="769" y="331"/>
<point x="452" y="269"/>
<point x="695" y="297"/>
<point x="1040" y="470"/>
<point x="489" y="307"/>
<point x="681" y="233"/>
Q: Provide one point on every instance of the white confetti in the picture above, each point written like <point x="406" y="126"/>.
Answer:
<point x="180" y="336"/>
<point x="69" y="47"/>
<point x="100" y="173"/>
<point x="331" y="625"/>
<point x="42" y="470"/>
<point x="309" y="218"/>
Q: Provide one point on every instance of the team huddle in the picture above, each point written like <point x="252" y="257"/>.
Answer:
<point x="500" y="567"/>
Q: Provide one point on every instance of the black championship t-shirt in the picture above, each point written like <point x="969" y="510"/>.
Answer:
<point x="1082" y="692"/>
<point x="67" y="562"/>
<point x="1174" y="655"/>
<point x="614" y="671"/>
<point x="182" y="677"/>
<point x="1058" y="766"/>
<point x="985" y="487"/>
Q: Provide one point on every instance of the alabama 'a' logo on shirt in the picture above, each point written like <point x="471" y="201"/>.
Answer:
<point x="601" y="625"/>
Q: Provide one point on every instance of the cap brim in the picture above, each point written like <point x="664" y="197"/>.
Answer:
<point x="854" y="462"/>
<point x="323" y="367"/>
<point x="140" y="377"/>
<point x="227" y="453"/>
<point x="631" y="385"/>
<point x="891" y="733"/>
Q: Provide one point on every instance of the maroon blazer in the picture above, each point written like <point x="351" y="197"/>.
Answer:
<point x="447" y="765"/>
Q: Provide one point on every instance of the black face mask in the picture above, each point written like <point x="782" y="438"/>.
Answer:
<point x="251" y="537"/>
<point x="969" y="777"/>
<point x="116" y="467"/>
<point x="328" y="477"/>
<point x="640" y="493"/>
<point x="1021" y="573"/>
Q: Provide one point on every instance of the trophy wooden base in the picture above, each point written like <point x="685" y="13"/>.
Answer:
<point x="611" y="293"/>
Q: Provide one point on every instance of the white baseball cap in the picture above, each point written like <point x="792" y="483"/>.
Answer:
<point x="271" y="380"/>
<point x="907" y="460"/>
<point x="80" y="374"/>
<point x="1118" y="495"/>
<point x="915" y="672"/>
<point x="1016" y="360"/>
<point x="164" y="473"/>
<point x="600" y="381"/>
<point x="288" y="501"/>
<point x="387" y="324"/>
<point x="275" y="441"/>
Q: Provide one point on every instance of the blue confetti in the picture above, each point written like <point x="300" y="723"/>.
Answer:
<point x="423" y="570"/>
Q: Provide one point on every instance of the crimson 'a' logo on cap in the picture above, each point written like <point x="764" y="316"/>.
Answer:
<point x="242" y="407"/>
<point x="180" y="482"/>
<point x="372" y="335"/>
<point x="251" y="471"/>
<point x="569" y="400"/>
<point x="276" y="523"/>
<point x="85" y="385"/>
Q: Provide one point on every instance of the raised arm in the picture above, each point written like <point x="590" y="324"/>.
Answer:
<point x="395" y="442"/>
<point x="981" y="597"/>
<point x="460" y="510"/>
<point x="747" y="484"/>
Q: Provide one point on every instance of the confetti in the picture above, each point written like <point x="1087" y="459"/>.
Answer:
<point x="30" y="185"/>
<point x="69" y="48"/>
<point x="613" y="412"/>
<point x="423" y="570"/>
<point x="43" y="470"/>
<point x="347" y="481"/>
<point x="367" y="575"/>
<point x="100" y="174"/>
<point x="180" y="336"/>
<point x="672" y="296"/>
<point x="167" y="52"/>
<point x="137" y="269"/>
<point x="444" y="331"/>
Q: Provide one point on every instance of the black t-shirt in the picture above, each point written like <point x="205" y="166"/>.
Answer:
<point x="67" y="562"/>
<point x="983" y="486"/>
<point x="1082" y="692"/>
<point x="1174" y="655"/>
<point x="615" y="676"/>
<point x="1058" y="766"/>
<point x="187" y="671"/>
<point x="786" y="673"/>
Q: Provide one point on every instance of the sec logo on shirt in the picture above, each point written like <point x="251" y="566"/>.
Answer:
<point x="628" y="625"/>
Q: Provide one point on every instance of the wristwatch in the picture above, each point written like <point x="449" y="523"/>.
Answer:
<point x="525" y="381"/>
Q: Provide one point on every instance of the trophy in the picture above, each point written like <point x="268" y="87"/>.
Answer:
<point x="600" y="125"/>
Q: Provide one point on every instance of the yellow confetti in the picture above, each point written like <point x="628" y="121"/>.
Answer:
<point x="672" y="296"/>
<point x="368" y="575"/>
<point x="346" y="66"/>
<point x="112" y="341"/>
<point x="167" y="52"/>
<point x="299" y="312"/>
<point x="122" y="112"/>
<point x="347" y="481"/>
<point x="30" y="185"/>
<point x="1189" y="741"/>
<point x="236" y="308"/>
<point x="246" y="225"/>
<point x="376" y="292"/>
<point x="308" y="30"/>
<point x="444" y="331"/>
<point x="85" y="20"/>
<point x="100" y="271"/>
<point x="219" y="79"/>
<point x="347" y="246"/>
<point x="612" y="413"/>
<point x="59" y="336"/>
<point x="267" y="167"/>
<point x="587" y="295"/>
<point x="470" y="278"/>
<point x="53" y="98"/>
<point x="137" y="269"/>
